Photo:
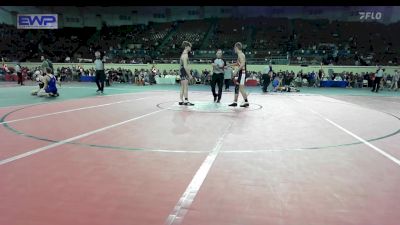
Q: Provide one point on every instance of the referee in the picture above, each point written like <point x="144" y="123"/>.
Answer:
<point x="218" y="75"/>
<point x="19" y="74"/>
<point x="100" y="75"/>
<point x="266" y="77"/>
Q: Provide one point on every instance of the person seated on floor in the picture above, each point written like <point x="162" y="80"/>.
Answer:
<point x="288" y="89"/>
<point x="141" y="81"/>
<point x="50" y="85"/>
<point x="40" y="81"/>
<point x="338" y="78"/>
<point x="276" y="83"/>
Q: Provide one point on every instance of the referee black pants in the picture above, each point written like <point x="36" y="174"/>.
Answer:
<point x="100" y="78"/>
<point x="227" y="84"/>
<point x="266" y="81"/>
<point x="377" y="84"/>
<point x="20" y="78"/>
<point x="217" y="78"/>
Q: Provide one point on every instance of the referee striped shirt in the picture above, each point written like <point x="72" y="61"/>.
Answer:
<point x="99" y="65"/>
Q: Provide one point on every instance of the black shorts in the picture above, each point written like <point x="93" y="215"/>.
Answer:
<point x="183" y="75"/>
<point x="241" y="78"/>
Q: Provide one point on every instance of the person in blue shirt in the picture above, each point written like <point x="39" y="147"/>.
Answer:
<point x="50" y="85"/>
<point x="275" y="83"/>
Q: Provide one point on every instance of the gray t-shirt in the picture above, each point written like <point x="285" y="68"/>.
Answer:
<point x="17" y="68"/>
<point x="220" y="64"/>
<point x="99" y="65"/>
<point x="266" y="70"/>
<point x="45" y="65"/>
<point x="228" y="73"/>
<point x="379" y="73"/>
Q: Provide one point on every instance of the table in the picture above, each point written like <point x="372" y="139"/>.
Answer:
<point x="87" y="79"/>
<point x="11" y="77"/>
<point x="168" y="79"/>
<point x="251" y="83"/>
<point x="331" y="83"/>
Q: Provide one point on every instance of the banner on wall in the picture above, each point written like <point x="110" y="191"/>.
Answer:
<point x="37" y="21"/>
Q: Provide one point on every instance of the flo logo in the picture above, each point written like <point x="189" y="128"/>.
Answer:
<point x="370" y="15"/>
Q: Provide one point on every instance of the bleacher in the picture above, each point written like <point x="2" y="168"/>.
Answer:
<point x="262" y="38"/>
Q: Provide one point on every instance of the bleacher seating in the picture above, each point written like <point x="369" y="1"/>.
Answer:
<point x="262" y="37"/>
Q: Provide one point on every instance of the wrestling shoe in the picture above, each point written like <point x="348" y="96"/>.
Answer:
<point x="189" y="104"/>
<point x="246" y="104"/>
<point x="233" y="104"/>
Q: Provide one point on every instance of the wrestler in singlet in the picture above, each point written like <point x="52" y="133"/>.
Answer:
<point x="182" y="70"/>
<point x="185" y="77"/>
<point x="241" y="74"/>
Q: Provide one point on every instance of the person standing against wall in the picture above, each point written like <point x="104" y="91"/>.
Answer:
<point x="228" y="72"/>
<point x="377" y="80"/>
<point x="395" y="81"/>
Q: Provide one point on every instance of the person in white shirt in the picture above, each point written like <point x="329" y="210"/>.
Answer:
<point x="19" y="74"/>
<point x="218" y="76"/>
<point x="377" y="81"/>
<point x="100" y="75"/>
<point x="395" y="81"/>
<point x="338" y="78"/>
<point x="40" y="81"/>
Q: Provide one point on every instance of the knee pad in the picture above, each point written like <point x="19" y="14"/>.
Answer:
<point x="236" y="89"/>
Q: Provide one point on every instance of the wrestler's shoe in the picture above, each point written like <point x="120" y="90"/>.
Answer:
<point x="233" y="104"/>
<point x="246" y="104"/>
<point x="188" y="104"/>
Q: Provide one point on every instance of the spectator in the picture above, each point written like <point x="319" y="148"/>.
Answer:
<point x="359" y="80"/>
<point x="395" y="81"/>
<point x="276" y="83"/>
<point x="377" y="80"/>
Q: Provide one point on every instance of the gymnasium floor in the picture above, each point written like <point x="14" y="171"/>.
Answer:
<point x="133" y="156"/>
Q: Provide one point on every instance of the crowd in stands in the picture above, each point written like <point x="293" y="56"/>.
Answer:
<point x="303" y="41"/>
<point x="149" y="76"/>
<point x="227" y="32"/>
<point x="271" y="35"/>
<point x="16" y="45"/>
